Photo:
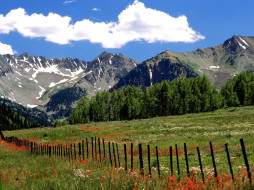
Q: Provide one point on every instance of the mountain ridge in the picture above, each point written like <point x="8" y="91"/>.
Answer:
<point x="34" y="81"/>
<point x="219" y="63"/>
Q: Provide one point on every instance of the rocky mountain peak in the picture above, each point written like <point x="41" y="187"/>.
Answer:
<point x="32" y="81"/>
<point x="104" y="56"/>
<point x="236" y="44"/>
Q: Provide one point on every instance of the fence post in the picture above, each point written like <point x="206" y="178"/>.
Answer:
<point x="92" y="145"/>
<point x="61" y="151"/>
<point x="186" y="159"/>
<point x="229" y="161"/>
<point x="246" y="160"/>
<point x="99" y="145"/>
<point x="114" y="153"/>
<point x="83" y="149"/>
<point x="171" y="159"/>
<point x="104" y="149"/>
<point x="75" y="151"/>
<point x="214" y="164"/>
<point x="49" y="151"/>
<point x="109" y="152"/>
<point x="31" y="144"/>
<point x="87" y="148"/>
<point x="149" y="159"/>
<point x="95" y="148"/>
<point x="132" y="157"/>
<point x="118" y="155"/>
<point x="158" y="163"/>
<point x="125" y="156"/>
<point x="71" y="151"/>
<point x="200" y="164"/>
<point x="177" y="161"/>
<point x="79" y="150"/>
<point x="66" y="152"/>
<point x="141" y="159"/>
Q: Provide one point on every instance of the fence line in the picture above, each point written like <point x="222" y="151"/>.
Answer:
<point x="70" y="153"/>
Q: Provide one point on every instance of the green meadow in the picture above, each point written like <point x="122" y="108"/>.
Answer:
<point x="196" y="130"/>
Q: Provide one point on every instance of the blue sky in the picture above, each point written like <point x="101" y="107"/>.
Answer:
<point x="138" y="29"/>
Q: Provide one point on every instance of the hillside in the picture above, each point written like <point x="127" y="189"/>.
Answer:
<point x="35" y="81"/>
<point x="11" y="119"/>
<point x="219" y="63"/>
<point x="219" y="125"/>
<point x="155" y="71"/>
<point x="196" y="130"/>
<point x="38" y="117"/>
<point x="39" y="82"/>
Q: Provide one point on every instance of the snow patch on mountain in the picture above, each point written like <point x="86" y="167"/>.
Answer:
<point x="52" y="84"/>
<point x="214" y="67"/>
<point x="50" y="69"/>
<point x="241" y="45"/>
<point x="244" y="41"/>
<point x="41" y="92"/>
<point x="31" y="106"/>
<point x="27" y="69"/>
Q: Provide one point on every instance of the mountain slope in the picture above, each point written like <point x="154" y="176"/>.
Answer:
<point x="34" y="115"/>
<point x="219" y="63"/>
<point x="62" y="102"/>
<point x="33" y="81"/>
<point x="156" y="70"/>
<point x="54" y="85"/>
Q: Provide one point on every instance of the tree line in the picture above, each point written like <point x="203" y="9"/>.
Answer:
<point x="12" y="120"/>
<point x="239" y="91"/>
<point x="191" y="95"/>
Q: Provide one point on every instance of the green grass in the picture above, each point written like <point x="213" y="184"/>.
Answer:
<point x="220" y="127"/>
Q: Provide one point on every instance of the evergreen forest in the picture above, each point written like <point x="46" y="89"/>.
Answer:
<point x="190" y="95"/>
<point x="12" y="120"/>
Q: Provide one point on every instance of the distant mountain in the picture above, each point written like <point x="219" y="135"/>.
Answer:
<point x="37" y="81"/>
<point x="156" y="70"/>
<point x="61" y="103"/>
<point x="54" y="85"/>
<point x="219" y="63"/>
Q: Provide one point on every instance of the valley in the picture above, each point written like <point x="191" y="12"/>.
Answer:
<point x="196" y="130"/>
<point x="38" y="82"/>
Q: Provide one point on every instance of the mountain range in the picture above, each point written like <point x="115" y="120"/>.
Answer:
<point x="54" y="85"/>
<point x="37" y="81"/>
<point x="219" y="63"/>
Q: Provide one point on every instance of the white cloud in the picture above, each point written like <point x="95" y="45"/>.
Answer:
<point x="5" y="49"/>
<point x="135" y="23"/>
<point x="96" y="9"/>
<point x="69" y="2"/>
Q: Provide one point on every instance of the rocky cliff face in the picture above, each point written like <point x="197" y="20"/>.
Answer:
<point x="156" y="70"/>
<point x="32" y="81"/>
<point x="222" y="62"/>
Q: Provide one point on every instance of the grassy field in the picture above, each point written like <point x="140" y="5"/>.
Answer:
<point x="196" y="130"/>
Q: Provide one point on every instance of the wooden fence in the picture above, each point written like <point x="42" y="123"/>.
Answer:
<point x="95" y="148"/>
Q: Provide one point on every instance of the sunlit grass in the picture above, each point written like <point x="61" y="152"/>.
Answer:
<point x="220" y="127"/>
